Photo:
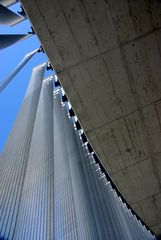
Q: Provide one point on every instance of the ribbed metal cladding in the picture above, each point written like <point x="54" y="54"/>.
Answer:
<point x="35" y="215"/>
<point x="86" y="205"/>
<point x="51" y="186"/>
<point x="74" y="217"/>
<point x="15" y="156"/>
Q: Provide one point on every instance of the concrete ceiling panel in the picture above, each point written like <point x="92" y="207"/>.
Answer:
<point x="137" y="177"/>
<point x="108" y="55"/>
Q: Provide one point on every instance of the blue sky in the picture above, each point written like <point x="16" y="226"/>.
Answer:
<point x="11" y="98"/>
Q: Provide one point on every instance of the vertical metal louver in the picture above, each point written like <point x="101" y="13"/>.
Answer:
<point x="7" y="40"/>
<point x="9" y="18"/>
<point x="86" y="205"/>
<point x="51" y="186"/>
<point x="9" y="78"/>
<point x="15" y="156"/>
<point x="35" y="216"/>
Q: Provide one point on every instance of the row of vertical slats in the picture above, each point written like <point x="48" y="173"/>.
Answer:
<point x="64" y="218"/>
<point x="36" y="205"/>
<point x="117" y="221"/>
<point x="52" y="187"/>
<point x="95" y="208"/>
<point x="15" y="156"/>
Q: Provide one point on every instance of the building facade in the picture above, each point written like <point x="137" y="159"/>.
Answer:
<point x="51" y="186"/>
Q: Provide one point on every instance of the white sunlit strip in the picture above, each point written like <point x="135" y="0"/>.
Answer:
<point x="56" y="77"/>
<point x="69" y="105"/>
<point x="62" y="90"/>
<point x="48" y="79"/>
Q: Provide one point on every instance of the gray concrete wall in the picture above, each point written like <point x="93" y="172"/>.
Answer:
<point x="108" y="57"/>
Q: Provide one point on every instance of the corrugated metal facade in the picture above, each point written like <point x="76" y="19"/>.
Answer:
<point x="50" y="185"/>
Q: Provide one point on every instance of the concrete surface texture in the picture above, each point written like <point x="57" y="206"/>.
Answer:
<point x="108" y="57"/>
